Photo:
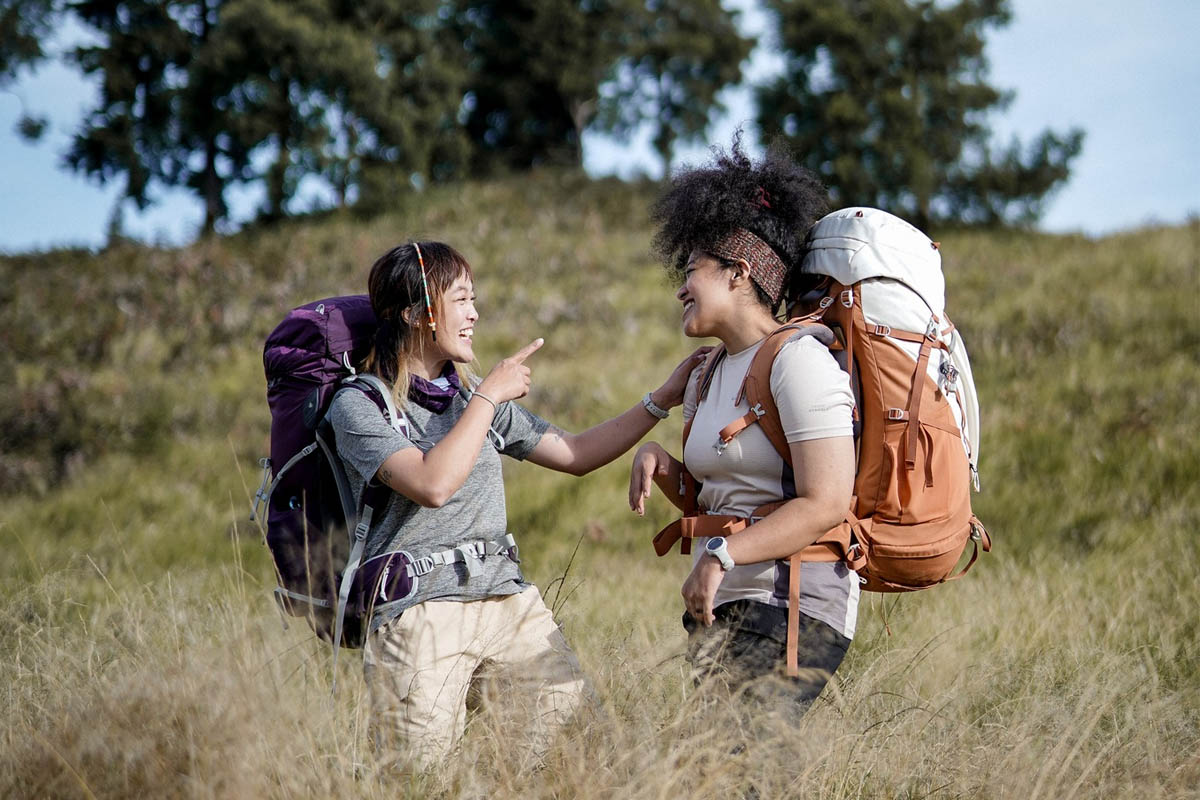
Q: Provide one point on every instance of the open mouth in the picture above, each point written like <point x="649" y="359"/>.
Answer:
<point x="688" y="305"/>
<point x="466" y="333"/>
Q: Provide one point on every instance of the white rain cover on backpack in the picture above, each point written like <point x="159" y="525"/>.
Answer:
<point x="898" y="272"/>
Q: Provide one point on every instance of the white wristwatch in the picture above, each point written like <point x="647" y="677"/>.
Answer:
<point x="653" y="407"/>
<point x="717" y="549"/>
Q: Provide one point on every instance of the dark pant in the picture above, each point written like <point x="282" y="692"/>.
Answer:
<point x="745" y="653"/>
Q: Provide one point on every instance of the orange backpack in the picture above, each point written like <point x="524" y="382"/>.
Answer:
<point x="916" y="423"/>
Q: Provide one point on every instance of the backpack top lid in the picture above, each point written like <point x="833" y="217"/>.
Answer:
<point x="322" y="331"/>
<point x="854" y="244"/>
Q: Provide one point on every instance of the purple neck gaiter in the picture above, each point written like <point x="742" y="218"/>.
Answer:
<point x="431" y="397"/>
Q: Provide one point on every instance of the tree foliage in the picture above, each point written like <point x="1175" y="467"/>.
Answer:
<point x="682" y="53"/>
<point x="887" y="101"/>
<point x="373" y="96"/>
<point x="24" y="27"/>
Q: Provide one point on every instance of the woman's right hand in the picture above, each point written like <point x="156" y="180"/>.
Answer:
<point x="650" y="460"/>
<point x="510" y="378"/>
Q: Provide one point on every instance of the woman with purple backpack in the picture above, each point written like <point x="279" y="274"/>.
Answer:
<point x="471" y="611"/>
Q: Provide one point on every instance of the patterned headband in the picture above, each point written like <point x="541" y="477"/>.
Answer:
<point x="766" y="267"/>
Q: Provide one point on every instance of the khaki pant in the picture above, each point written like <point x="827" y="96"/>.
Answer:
<point x="423" y="668"/>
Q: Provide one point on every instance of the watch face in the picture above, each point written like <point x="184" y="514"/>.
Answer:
<point x="715" y="544"/>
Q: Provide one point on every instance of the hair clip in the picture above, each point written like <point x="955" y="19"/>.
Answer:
<point x="425" y="287"/>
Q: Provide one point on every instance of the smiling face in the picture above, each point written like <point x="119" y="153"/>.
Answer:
<point x="456" y="316"/>
<point x="706" y="294"/>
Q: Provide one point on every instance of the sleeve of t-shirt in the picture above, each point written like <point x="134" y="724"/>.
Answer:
<point x="364" y="437"/>
<point x="521" y="429"/>
<point x="811" y="391"/>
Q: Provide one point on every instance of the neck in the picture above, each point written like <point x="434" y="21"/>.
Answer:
<point x="749" y="329"/>
<point x="428" y="367"/>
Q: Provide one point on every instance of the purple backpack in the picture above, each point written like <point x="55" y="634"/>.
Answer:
<point x="316" y="528"/>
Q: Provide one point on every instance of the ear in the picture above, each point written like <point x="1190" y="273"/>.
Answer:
<point x="406" y="316"/>
<point x="740" y="273"/>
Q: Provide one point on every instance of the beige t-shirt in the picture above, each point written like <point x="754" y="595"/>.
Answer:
<point x="815" y="402"/>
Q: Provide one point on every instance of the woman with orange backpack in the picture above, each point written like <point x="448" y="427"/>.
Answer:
<point x="468" y="609"/>
<point x="734" y="232"/>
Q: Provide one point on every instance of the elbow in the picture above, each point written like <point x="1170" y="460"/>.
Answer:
<point x="578" y="469"/>
<point x="832" y="512"/>
<point x="435" y="498"/>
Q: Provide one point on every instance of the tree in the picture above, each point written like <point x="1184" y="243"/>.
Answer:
<point x="534" y="67"/>
<point x="542" y="71"/>
<point x="153" y="122"/>
<point x="375" y="96"/>
<point x="887" y="101"/>
<point x="407" y="129"/>
<point x="207" y="93"/>
<point x="681" y="54"/>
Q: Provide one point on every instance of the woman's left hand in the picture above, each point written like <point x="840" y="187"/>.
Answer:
<point x="670" y="394"/>
<point x="701" y="587"/>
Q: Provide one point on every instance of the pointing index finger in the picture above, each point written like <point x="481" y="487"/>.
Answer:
<point x="528" y="350"/>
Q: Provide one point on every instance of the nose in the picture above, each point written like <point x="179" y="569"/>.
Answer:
<point x="681" y="292"/>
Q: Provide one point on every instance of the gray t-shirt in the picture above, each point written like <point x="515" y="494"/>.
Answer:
<point x="475" y="512"/>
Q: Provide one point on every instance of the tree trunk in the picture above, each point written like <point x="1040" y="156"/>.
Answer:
<point x="214" y="200"/>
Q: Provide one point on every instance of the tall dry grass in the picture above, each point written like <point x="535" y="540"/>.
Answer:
<point x="143" y="657"/>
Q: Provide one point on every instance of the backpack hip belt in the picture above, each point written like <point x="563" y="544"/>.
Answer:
<point x="838" y="544"/>
<point x="469" y="553"/>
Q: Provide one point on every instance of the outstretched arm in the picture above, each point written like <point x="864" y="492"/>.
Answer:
<point x="580" y="453"/>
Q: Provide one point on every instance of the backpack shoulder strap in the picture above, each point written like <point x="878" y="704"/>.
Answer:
<point x="373" y="387"/>
<point x="756" y="387"/>
<point x="689" y="488"/>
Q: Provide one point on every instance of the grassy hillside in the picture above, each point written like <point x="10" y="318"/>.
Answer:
<point x="142" y="655"/>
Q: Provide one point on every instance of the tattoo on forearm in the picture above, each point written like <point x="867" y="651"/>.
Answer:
<point x="385" y="475"/>
<point x="556" y="432"/>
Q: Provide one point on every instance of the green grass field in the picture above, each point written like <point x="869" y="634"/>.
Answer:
<point x="143" y="656"/>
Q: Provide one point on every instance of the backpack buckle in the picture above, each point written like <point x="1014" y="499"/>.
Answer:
<point x="847" y="297"/>
<point x="949" y="373"/>
<point x="720" y="446"/>
<point x="758" y="410"/>
<point x="897" y="414"/>
<point x="826" y="302"/>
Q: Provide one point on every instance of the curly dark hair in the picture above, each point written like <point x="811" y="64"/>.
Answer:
<point x="707" y="203"/>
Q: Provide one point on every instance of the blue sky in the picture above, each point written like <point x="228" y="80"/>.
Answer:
<point x="1128" y="73"/>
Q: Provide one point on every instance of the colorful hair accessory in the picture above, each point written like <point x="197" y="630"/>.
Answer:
<point x="767" y="269"/>
<point x="762" y="198"/>
<point x="425" y="287"/>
